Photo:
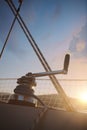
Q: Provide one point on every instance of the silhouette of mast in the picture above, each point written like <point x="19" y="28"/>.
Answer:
<point x="43" y="61"/>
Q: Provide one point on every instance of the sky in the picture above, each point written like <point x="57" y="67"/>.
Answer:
<point x="57" y="26"/>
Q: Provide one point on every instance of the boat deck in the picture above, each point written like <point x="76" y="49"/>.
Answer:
<point x="15" y="117"/>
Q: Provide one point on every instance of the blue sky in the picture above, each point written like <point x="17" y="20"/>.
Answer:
<point x="58" y="27"/>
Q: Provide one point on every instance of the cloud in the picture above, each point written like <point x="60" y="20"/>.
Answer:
<point x="78" y="44"/>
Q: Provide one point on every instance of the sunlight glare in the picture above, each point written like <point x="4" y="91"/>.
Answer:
<point x="83" y="97"/>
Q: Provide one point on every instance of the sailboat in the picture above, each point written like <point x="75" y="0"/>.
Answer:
<point x="22" y="112"/>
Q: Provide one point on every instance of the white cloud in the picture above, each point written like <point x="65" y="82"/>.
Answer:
<point x="78" y="44"/>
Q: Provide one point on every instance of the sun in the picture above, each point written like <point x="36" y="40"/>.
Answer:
<point x="83" y="97"/>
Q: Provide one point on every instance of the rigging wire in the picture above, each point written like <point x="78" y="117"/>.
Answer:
<point x="8" y="35"/>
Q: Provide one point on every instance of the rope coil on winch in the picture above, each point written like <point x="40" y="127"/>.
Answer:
<point x="25" y="88"/>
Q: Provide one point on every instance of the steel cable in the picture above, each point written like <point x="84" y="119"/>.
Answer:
<point x="10" y="30"/>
